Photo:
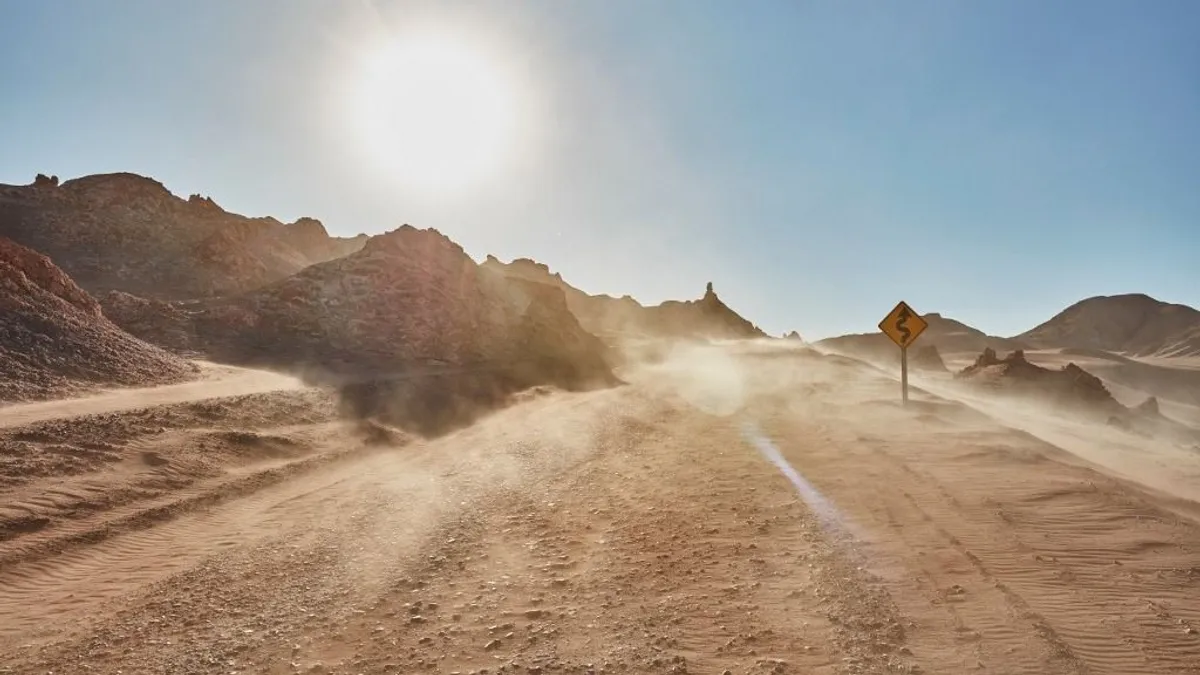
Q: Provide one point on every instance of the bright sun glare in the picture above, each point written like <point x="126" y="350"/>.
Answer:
<point x="436" y="113"/>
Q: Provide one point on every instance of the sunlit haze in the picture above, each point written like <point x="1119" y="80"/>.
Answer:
<point x="993" y="161"/>
<point x="436" y="113"/>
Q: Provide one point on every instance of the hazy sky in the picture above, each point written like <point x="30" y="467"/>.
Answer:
<point x="817" y="161"/>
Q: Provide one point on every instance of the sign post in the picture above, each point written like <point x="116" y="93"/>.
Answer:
<point x="902" y="325"/>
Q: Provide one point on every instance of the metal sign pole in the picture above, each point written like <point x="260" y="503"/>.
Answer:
<point x="902" y="325"/>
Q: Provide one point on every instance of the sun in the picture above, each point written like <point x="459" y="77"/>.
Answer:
<point x="436" y="113"/>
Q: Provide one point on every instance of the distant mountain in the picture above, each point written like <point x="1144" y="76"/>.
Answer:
<point x="611" y="317"/>
<point x="54" y="339"/>
<point x="126" y="232"/>
<point x="1133" y="324"/>
<point x="947" y="335"/>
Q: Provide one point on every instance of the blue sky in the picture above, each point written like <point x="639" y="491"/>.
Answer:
<point x="817" y="161"/>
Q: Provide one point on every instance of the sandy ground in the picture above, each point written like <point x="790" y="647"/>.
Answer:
<point x="215" y="381"/>
<point x="740" y="510"/>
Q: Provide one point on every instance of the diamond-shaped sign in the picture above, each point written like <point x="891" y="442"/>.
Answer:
<point x="903" y="325"/>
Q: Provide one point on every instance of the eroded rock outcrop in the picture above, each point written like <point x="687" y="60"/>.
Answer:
<point x="411" y="306"/>
<point x="615" y="318"/>
<point x="1149" y="407"/>
<point x="55" y="340"/>
<point x="1070" y="385"/>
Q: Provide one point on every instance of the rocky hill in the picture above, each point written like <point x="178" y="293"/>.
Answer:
<point x="1070" y="385"/>
<point x="54" y="339"/>
<point x="613" y="318"/>
<point x="410" y="304"/>
<point x="1074" y="389"/>
<point x="947" y="335"/>
<point x="1133" y="324"/>
<point x="128" y="233"/>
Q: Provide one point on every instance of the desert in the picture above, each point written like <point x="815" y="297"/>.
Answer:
<point x="401" y="460"/>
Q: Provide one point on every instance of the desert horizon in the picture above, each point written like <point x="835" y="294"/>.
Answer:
<point x="599" y="338"/>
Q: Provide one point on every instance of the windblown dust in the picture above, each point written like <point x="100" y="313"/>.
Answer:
<point x="735" y="507"/>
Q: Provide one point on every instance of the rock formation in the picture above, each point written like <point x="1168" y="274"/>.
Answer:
<point x="614" y="318"/>
<point x="1070" y="385"/>
<point x="129" y="233"/>
<point x="1149" y="407"/>
<point x="54" y="339"/>
<point x="411" y="303"/>
<point x="160" y="323"/>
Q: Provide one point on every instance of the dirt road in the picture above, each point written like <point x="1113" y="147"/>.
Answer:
<point x="725" y="512"/>
<point x="216" y="381"/>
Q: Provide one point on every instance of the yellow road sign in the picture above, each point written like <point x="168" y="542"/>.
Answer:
<point x="903" y="325"/>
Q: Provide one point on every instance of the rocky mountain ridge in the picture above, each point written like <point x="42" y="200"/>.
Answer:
<point x="125" y="232"/>
<point x="410" y="302"/>
<point x="614" y="318"/>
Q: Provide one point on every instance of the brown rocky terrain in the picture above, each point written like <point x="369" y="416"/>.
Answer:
<point x="613" y="318"/>
<point x="411" y="306"/>
<point x="1133" y="324"/>
<point x="1071" y="388"/>
<point x="1071" y="385"/>
<point x="128" y="233"/>
<point x="54" y="339"/>
<point x="953" y="339"/>
<point x="751" y="506"/>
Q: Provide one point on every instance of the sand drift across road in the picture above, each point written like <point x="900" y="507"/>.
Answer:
<point x="216" y="381"/>
<point x="731" y="509"/>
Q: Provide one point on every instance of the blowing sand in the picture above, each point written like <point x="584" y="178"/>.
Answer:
<point x="733" y="509"/>
<point x="216" y="381"/>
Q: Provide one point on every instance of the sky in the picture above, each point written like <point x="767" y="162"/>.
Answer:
<point x="994" y="160"/>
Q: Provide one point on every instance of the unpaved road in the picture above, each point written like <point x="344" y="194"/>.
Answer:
<point x="726" y="512"/>
<point x="216" y="381"/>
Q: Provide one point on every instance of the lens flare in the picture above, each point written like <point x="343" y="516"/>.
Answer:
<point x="827" y="514"/>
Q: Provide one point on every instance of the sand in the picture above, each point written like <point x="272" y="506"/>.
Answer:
<point x="752" y="509"/>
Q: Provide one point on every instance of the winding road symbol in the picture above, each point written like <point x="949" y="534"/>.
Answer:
<point x="903" y="325"/>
